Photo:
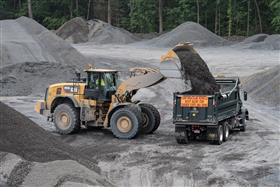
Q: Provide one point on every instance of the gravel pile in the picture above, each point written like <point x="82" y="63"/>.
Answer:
<point x="264" y="87"/>
<point x="75" y="31"/>
<point x="20" y="136"/>
<point x="78" y="30"/>
<point x="261" y="41"/>
<point x="196" y="70"/>
<point x="33" y="57"/>
<point x="188" y="32"/>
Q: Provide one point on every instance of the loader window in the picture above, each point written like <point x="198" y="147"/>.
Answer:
<point x="110" y="81"/>
<point x="93" y="79"/>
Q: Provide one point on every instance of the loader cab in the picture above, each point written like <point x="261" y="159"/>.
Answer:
<point x="101" y="84"/>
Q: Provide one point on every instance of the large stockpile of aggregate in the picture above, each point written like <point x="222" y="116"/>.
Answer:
<point x="75" y="31"/>
<point x="20" y="136"/>
<point x="78" y="30"/>
<point x="188" y="32"/>
<point x="33" y="57"/>
<point x="196" y="71"/>
<point x="261" y="41"/>
<point x="264" y="87"/>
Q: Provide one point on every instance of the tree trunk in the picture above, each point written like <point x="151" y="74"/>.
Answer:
<point x="229" y="12"/>
<point x="206" y="17"/>
<point x="219" y="22"/>
<point x="19" y="4"/>
<point x="259" y="15"/>
<point x="77" y="7"/>
<point x="88" y="9"/>
<point x="109" y="11"/>
<point x="160" y="16"/>
<point x="71" y="9"/>
<point x="216" y="17"/>
<point x="197" y="13"/>
<point x="29" y="9"/>
<point x="248" y="19"/>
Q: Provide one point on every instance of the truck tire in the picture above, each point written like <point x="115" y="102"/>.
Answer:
<point x="225" y="131"/>
<point x="181" y="135"/>
<point x="66" y="119"/>
<point x="243" y="127"/>
<point x="220" y="135"/>
<point x="150" y="118"/>
<point x="125" y="123"/>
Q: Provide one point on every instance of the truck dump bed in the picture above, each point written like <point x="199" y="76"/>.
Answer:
<point x="207" y="109"/>
<point x="198" y="114"/>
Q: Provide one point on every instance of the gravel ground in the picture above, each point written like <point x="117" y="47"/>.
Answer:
<point x="249" y="158"/>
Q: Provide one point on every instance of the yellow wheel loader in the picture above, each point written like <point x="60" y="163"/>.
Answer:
<point x="99" y="101"/>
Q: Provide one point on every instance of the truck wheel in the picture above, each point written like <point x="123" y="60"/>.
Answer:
<point x="148" y="118"/>
<point x="181" y="135"/>
<point x="125" y="123"/>
<point x="220" y="136"/>
<point x="66" y="119"/>
<point x="243" y="127"/>
<point x="225" y="131"/>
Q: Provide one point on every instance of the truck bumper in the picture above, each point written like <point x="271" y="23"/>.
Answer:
<point x="182" y="122"/>
<point x="40" y="108"/>
<point x="211" y="128"/>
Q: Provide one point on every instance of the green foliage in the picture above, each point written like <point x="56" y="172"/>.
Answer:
<point x="142" y="15"/>
<point x="275" y="7"/>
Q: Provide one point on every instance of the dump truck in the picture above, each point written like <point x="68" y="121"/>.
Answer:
<point x="210" y="117"/>
<point x="205" y="107"/>
<point x="102" y="100"/>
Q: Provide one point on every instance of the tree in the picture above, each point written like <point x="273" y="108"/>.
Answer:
<point x="248" y="18"/>
<point x="30" y="14"/>
<point x="229" y="15"/>
<point x="77" y="7"/>
<point x="109" y="18"/>
<point x="275" y="7"/>
<point x="88" y="9"/>
<point x="160" y="16"/>
<point x="259" y="15"/>
<point x="197" y="11"/>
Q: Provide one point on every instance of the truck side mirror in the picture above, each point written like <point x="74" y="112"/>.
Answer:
<point x="245" y="96"/>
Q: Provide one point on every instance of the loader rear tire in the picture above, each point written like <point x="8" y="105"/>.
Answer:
<point x="125" y="123"/>
<point x="66" y="119"/>
<point x="156" y="115"/>
<point x="148" y="118"/>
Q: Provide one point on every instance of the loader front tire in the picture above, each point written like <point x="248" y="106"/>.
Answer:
<point x="66" y="119"/>
<point x="125" y="123"/>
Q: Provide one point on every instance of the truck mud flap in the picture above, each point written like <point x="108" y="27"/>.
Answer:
<point x="212" y="133"/>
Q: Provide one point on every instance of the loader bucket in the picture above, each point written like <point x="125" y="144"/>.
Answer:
<point x="170" y="65"/>
<point x="141" y="81"/>
<point x="183" y="62"/>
